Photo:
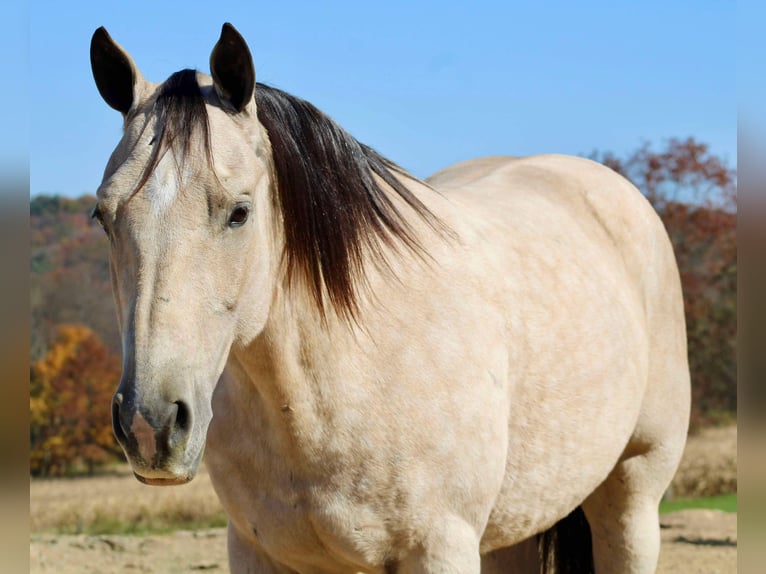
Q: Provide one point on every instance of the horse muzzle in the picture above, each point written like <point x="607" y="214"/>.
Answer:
<point x="156" y="439"/>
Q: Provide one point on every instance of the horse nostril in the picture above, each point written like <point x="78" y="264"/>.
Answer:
<point x="119" y="432"/>
<point x="183" y="416"/>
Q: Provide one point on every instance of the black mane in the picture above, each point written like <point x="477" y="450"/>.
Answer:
<point x="334" y="210"/>
<point x="180" y="109"/>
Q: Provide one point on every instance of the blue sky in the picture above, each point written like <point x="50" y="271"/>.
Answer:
<point x="425" y="83"/>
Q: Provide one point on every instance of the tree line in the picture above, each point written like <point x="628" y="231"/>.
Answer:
<point x="75" y="344"/>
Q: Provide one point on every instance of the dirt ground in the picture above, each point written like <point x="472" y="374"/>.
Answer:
<point x="693" y="541"/>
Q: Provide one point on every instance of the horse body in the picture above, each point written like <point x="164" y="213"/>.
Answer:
<point x="530" y="360"/>
<point x="367" y="439"/>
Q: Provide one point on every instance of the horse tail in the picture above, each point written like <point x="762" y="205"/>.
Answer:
<point x="566" y="547"/>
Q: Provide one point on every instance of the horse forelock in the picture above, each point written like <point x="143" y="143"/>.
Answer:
<point x="180" y="112"/>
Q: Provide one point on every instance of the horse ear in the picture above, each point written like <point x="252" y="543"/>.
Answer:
<point x="117" y="77"/>
<point x="231" y="66"/>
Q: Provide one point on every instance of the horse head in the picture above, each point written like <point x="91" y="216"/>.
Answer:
<point x="186" y="205"/>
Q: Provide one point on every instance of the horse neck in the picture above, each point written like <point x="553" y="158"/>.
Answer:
<point x="301" y="356"/>
<point x="280" y="380"/>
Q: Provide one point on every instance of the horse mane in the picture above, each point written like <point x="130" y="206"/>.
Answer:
<point x="332" y="191"/>
<point x="334" y="209"/>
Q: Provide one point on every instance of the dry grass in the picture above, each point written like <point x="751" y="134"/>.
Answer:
<point x="709" y="464"/>
<point x="118" y="503"/>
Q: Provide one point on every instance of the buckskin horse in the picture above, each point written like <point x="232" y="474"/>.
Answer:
<point x="386" y="374"/>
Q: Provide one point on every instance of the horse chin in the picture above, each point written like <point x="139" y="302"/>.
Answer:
<point x="167" y="481"/>
<point x="170" y="475"/>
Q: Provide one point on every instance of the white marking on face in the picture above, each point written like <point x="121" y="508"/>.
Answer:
<point x="164" y="184"/>
<point x="144" y="434"/>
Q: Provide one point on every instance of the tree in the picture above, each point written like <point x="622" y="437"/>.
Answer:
<point x="684" y="172"/>
<point x="69" y="267"/>
<point x="695" y="194"/>
<point x="70" y="404"/>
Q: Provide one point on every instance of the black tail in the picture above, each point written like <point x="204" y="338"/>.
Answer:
<point x="566" y="547"/>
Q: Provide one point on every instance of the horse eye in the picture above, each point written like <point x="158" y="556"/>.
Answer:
<point x="238" y="216"/>
<point x="96" y="214"/>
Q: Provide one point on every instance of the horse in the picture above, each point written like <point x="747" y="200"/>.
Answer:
<point x="386" y="375"/>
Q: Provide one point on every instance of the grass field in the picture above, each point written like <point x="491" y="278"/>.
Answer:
<point x="116" y="503"/>
<point x="725" y="502"/>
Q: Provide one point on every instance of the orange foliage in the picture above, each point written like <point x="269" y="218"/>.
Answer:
<point x="70" y="403"/>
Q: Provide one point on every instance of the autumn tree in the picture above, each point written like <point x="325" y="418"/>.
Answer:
<point x="70" y="404"/>
<point x="685" y="171"/>
<point x="69" y="267"/>
<point x="695" y="193"/>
